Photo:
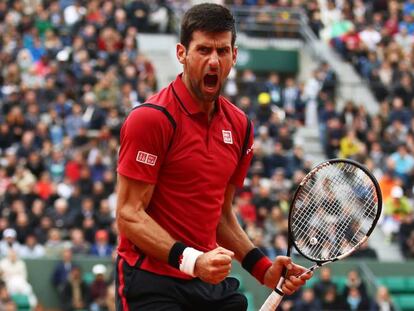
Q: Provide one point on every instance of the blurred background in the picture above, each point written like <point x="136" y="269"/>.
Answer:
<point x="319" y="78"/>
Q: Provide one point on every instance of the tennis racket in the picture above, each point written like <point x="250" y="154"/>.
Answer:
<point x="334" y="210"/>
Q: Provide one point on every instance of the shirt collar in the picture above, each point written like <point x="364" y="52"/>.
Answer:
<point x="187" y="102"/>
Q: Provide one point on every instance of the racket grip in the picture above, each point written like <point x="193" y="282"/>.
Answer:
<point x="274" y="299"/>
<point x="272" y="302"/>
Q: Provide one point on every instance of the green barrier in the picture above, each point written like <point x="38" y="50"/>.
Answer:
<point x="40" y="273"/>
<point x="266" y="60"/>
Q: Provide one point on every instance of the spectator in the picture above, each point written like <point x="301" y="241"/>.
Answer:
<point x="99" y="288"/>
<point x="276" y="223"/>
<point x="9" y="242"/>
<point x="110" y="297"/>
<point x="355" y="291"/>
<point x="42" y="230"/>
<point x="75" y="293"/>
<point x="101" y="247"/>
<point x="31" y="248"/>
<point x="278" y="246"/>
<point x="382" y="301"/>
<point x="308" y="301"/>
<point x="60" y="214"/>
<point x="356" y="301"/>
<point x="370" y="37"/>
<point x="78" y="244"/>
<point x="4" y="295"/>
<point x="396" y="207"/>
<point x="54" y="243"/>
<point x="403" y="161"/>
<point x="14" y="273"/>
<point x="349" y="145"/>
<point x="331" y="300"/>
<point x="325" y="282"/>
<point x="86" y="212"/>
<point x="62" y="269"/>
<point x="12" y="267"/>
<point x="387" y="182"/>
<point x="365" y="252"/>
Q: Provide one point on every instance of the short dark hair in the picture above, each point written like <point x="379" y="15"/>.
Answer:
<point x="208" y="17"/>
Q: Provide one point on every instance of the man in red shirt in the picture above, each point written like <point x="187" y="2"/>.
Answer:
<point x="182" y="155"/>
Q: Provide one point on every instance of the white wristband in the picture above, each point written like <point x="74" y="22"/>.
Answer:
<point x="190" y="256"/>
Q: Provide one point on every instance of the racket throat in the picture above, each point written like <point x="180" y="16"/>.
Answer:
<point x="314" y="267"/>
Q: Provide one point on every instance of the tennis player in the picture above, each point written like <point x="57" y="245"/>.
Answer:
<point x="182" y="155"/>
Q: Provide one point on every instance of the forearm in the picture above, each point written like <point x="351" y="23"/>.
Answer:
<point x="230" y="235"/>
<point x="134" y="222"/>
<point x="145" y="233"/>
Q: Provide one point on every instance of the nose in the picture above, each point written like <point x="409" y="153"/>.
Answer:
<point x="214" y="60"/>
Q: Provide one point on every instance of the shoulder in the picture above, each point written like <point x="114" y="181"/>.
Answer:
<point x="159" y="104"/>
<point x="150" y="115"/>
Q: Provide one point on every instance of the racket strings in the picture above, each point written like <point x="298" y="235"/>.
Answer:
<point x="341" y="228"/>
<point x="334" y="210"/>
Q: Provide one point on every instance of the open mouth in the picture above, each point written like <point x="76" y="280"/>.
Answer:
<point x="210" y="80"/>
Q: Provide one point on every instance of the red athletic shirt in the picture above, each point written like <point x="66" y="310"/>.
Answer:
<point x="191" y="167"/>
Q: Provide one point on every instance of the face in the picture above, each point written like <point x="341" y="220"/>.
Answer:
<point x="207" y="63"/>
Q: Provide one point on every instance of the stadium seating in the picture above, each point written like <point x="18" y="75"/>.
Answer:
<point x="401" y="289"/>
<point x="404" y="301"/>
<point x="397" y="284"/>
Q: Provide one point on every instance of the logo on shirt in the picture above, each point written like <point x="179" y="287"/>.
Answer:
<point x="250" y="149"/>
<point x="227" y="138"/>
<point x="146" y="158"/>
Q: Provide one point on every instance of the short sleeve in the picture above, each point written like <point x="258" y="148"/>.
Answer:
<point x="244" y="163"/>
<point x="144" y="140"/>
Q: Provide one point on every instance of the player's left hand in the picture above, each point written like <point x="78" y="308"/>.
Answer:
<point x="293" y="280"/>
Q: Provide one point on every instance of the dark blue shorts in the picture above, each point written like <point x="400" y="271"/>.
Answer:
<point x="139" y="290"/>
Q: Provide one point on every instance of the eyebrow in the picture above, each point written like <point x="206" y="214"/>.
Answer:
<point x="207" y="45"/>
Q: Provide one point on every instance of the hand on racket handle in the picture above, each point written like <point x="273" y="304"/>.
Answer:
<point x="295" y="278"/>
<point x="214" y="266"/>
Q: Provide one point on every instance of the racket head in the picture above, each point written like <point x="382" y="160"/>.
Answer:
<point x="334" y="210"/>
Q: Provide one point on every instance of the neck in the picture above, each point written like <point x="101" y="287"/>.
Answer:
<point x="207" y="107"/>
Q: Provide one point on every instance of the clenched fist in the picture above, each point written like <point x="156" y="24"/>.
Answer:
<point x="214" y="266"/>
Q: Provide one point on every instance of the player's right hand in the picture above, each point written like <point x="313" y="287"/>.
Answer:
<point x="214" y="266"/>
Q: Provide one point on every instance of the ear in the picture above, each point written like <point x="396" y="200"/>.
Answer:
<point x="181" y="53"/>
<point x="235" y="51"/>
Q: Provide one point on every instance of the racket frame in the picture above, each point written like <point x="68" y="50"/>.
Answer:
<point x="277" y="294"/>
<point x="291" y="240"/>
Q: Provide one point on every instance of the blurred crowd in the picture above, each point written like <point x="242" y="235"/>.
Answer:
<point x="71" y="71"/>
<point x="328" y="292"/>
<point x="377" y="38"/>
